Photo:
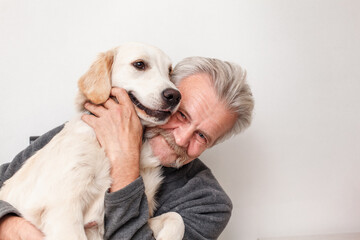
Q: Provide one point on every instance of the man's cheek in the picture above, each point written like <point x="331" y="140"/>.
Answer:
<point x="195" y="151"/>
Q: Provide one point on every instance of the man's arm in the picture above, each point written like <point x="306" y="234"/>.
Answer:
<point x="207" y="219"/>
<point x="195" y="194"/>
<point x="119" y="132"/>
<point x="127" y="213"/>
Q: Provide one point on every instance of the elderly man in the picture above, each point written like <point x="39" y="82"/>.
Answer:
<point x="216" y="104"/>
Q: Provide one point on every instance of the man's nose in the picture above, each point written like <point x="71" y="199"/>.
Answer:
<point x="182" y="136"/>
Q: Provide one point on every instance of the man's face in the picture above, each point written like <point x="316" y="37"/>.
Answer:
<point x="200" y="120"/>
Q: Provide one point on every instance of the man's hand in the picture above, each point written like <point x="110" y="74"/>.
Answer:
<point x="119" y="132"/>
<point x="17" y="228"/>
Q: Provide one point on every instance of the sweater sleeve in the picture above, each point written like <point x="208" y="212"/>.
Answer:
<point x="206" y="214"/>
<point x="201" y="202"/>
<point x="7" y="170"/>
<point x="127" y="213"/>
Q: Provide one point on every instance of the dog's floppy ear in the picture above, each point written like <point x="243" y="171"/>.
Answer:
<point x="95" y="84"/>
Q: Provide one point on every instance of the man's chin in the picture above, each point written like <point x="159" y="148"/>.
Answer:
<point x="169" y="164"/>
<point x="177" y="163"/>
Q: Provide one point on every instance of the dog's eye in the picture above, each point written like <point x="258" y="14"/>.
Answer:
<point x="140" y="65"/>
<point x="170" y="70"/>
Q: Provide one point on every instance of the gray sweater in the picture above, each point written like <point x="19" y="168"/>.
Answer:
<point x="192" y="191"/>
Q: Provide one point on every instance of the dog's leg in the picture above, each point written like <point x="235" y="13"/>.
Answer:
<point x="64" y="223"/>
<point x="96" y="214"/>
<point x="168" y="226"/>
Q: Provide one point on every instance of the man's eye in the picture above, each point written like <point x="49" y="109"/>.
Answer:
<point x="140" y="65"/>
<point x="182" y="115"/>
<point x="201" y="135"/>
<point x="201" y="138"/>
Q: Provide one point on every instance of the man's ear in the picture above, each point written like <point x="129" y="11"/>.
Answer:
<point x="95" y="84"/>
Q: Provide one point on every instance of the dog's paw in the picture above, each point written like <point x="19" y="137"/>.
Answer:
<point x="168" y="226"/>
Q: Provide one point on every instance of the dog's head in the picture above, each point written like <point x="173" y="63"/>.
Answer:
<point x="143" y="71"/>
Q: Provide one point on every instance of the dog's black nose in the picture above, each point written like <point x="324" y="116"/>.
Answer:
<point x="171" y="97"/>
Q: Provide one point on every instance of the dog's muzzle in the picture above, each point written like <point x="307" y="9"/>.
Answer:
<point x="170" y="98"/>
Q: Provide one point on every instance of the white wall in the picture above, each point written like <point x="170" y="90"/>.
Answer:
<point x="294" y="172"/>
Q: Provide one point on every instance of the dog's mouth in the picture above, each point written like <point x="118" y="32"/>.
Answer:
<point x="160" y="115"/>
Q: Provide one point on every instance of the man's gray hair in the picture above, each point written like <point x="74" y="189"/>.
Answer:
<point x="229" y="81"/>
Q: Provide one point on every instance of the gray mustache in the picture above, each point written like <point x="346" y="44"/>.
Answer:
<point x="169" y="138"/>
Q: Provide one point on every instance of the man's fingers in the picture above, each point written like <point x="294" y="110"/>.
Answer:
<point x="89" y="120"/>
<point x="110" y="103"/>
<point x="97" y="110"/>
<point x="121" y="95"/>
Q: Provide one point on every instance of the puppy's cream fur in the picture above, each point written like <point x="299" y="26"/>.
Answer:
<point x="62" y="186"/>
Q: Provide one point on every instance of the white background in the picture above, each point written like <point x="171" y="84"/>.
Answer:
<point x="294" y="172"/>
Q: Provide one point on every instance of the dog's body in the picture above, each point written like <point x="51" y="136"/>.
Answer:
<point x="61" y="188"/>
